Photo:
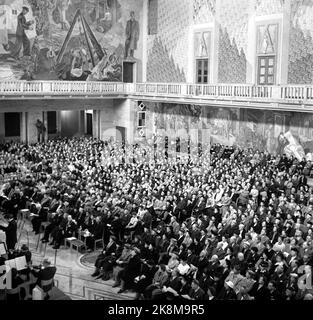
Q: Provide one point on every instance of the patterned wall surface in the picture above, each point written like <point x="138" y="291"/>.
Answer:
<point x="174" y="21"/>
<point x="153" y="17"/>
<point x="271" y="131"/>
<point x="161" y="66"/>
<point x="301" y="43"/>
<point x="232" y="60"/>
<point x="234" y="17"/>
<point x="174" y="18"/>
<point x="233" y="40"/>
<point x="203" y="11"/>
<point x="267" y="7"/>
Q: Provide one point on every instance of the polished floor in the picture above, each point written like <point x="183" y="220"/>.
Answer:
<point x="72" y="277"/>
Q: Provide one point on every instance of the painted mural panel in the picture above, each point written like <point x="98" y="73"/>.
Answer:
<point x="68" y="39"/>
<point x="268" y="131"/>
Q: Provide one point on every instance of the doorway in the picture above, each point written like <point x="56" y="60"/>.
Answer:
<point x="120" y="134"/>
<point x="69" y="123"/>
<point x="89" y="124"/>
<point x="128" y="72"/>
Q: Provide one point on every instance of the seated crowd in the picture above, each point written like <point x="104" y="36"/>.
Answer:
<point x="234" y="224"/>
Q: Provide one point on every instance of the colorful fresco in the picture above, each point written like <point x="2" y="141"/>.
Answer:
<point x="68" y="39"/>
<point x="274" y="132"/>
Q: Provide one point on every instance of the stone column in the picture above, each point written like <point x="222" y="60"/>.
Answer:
<point x="82" y="116"/>
<point x="286" y="25"/>
<point x="2" y="127"/>
<point x="59" y="127"/>
<point x="96" y="124"/>
<point x="23" y="124"/>
<point x="45" y="122"/>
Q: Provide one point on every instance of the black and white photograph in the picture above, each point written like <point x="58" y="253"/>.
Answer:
<point x="156" y="156"/>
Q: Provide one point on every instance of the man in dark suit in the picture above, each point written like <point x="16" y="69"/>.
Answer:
<point x="97" y="232"/>
<point x="195" y="293"/>
<point x="66" y="230"/>
<point x="45" y="273"/>
<point x="106" y="259"/>
<point x="131" y="271"/>
<point x="10" y="232"/>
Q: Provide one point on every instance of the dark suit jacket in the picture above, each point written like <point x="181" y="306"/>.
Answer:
<point x="261" y="293"/>
<point x="110" y="249"/>
<point x="10" y="233"/>
<point x="44" y="274"/>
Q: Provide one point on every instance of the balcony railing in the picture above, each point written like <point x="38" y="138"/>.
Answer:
<point x="294" y="94"/>
<point x="61" y="88"/>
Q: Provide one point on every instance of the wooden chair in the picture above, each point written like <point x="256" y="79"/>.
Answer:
<point x="99" y="241"/>
<point x="47" y="285"/>
<point x="42" y="229"/>
<point x="24" y="214"/>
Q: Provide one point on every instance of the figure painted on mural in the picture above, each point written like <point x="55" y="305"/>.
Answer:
<point x="80" y="65"/>
<point x="132" y="36"/>
<point x="22" y="40"/>
<point x="105" y="23"/>
<point x="108" y="69"/>
<point x="282" y="143"/>
<point x="28" y="74"/>
<point x="51" y="58"/>
<point x="3" y="28"/>
<point x="59" y="13"/>
<point x="41" y="129"/>
<point x="35" y="53"/>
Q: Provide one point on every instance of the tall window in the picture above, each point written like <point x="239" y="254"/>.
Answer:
<point x="202" y="56"/>
<point x="52" y="122"/>
<point x="141" y="119"/>
<point x="267" y="39"/>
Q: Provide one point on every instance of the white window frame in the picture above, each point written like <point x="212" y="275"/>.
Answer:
<point x="207" y="27"/>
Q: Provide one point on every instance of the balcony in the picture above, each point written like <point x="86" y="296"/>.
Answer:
<point x="60" y="89"/>
<point x="291" y="97"/>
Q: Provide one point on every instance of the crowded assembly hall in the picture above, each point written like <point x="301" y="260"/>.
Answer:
<point x="156" y="150"/>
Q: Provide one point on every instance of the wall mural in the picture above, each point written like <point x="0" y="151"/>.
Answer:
<point x="68" y="39"/>
<point x="274" y="132"/>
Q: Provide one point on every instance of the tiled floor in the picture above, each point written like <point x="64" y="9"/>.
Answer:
<point x="72" y="278"/>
